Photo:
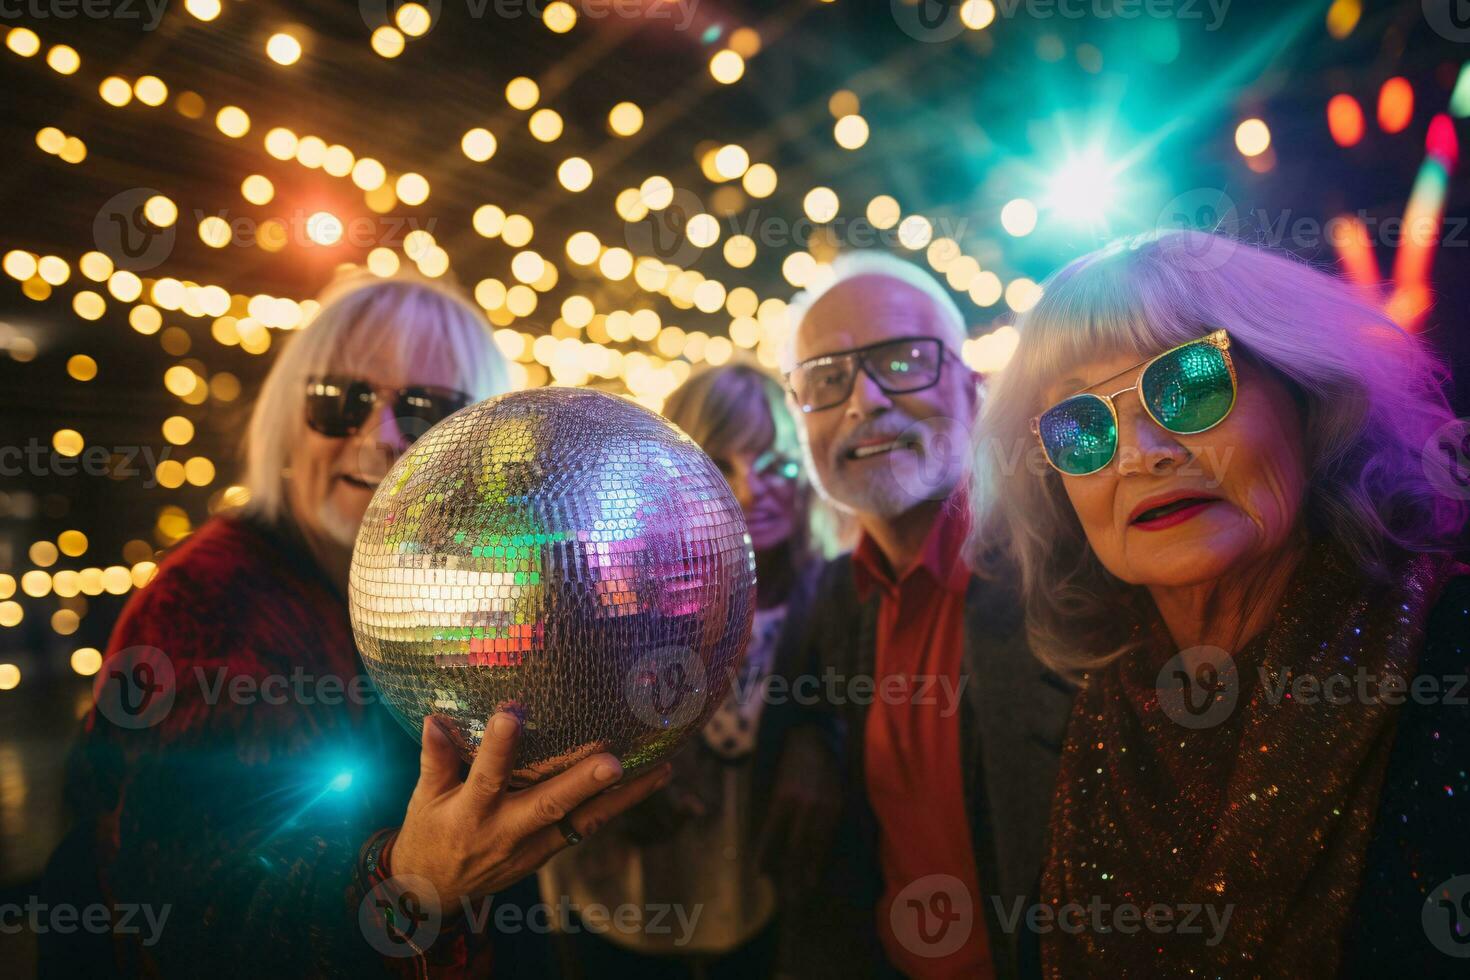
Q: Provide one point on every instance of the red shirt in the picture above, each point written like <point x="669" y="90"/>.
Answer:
<point x="930" y="918"/>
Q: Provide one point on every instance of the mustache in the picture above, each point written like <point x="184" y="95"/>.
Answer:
<point x="885" y="427"/>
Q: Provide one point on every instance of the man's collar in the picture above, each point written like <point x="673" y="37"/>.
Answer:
<point x="941" y="558"/>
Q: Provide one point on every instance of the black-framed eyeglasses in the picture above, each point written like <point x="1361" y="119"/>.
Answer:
<point x="898" y="367"/>
<point x="338" y="407"/>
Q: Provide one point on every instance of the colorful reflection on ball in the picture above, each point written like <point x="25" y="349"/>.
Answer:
<point x="562" y="553"/>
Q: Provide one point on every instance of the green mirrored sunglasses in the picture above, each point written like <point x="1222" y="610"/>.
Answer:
<point x="1186" y="390"/>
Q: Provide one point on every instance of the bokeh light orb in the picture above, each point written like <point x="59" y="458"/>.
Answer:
<point x="564" y="554"/>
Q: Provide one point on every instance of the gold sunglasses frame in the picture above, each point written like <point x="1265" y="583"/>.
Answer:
<point x="1218" y="339"/>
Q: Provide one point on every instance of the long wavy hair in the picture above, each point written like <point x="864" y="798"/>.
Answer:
<point x="1371" y="397"/>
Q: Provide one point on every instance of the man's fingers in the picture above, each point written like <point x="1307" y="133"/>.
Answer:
<point x="490" y="772"/>
<point x="439" y="764"/>
<point x="545" y="803"/>
<point x="592" y="815"/>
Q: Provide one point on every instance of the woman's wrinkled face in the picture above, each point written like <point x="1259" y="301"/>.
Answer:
<point x="765" y="486"/>
<point x="333" y="479"/>
<point x="1176" y="510"/>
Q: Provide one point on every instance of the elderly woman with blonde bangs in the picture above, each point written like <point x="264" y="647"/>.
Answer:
<point x="1207" y="461"/>
<point x="238" y="774"/>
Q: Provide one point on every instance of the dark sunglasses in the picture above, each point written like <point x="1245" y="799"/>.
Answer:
<point x="898" y="367"/>
<point x="338" y="407"/>
<point x="1186" y="390"/>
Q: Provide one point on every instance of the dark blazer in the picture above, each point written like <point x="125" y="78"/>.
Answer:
<point x="1012" y="718"/>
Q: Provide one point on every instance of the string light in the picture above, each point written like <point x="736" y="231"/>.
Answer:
<point x="283" y="49"/>
<point x="387" y="42"/>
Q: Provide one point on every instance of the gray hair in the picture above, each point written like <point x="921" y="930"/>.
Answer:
<point x="854" y="265"/>
<point x="362" y="318"/>
<point x="1370" y="397"/>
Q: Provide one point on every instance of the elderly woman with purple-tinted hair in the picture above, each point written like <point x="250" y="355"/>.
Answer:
<point x="1233" y="530"/>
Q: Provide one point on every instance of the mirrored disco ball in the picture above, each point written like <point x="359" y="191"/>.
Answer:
<point x="564" y="554"/>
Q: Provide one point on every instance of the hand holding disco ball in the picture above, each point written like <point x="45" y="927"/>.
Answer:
<point x="564" y="555"/>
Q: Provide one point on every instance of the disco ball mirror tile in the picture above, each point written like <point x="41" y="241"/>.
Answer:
<point x="562" y="553"/>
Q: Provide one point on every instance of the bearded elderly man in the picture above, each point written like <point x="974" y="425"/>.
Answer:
<point x="948" y="730"/>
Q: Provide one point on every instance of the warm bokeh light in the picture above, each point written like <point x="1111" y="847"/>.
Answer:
<point x="914" y="232"/>
<point x="726" y="67"/>
<point x="1345" y="120"/>
<point x="1018" y="217"/>
<point x="63" y="59"/>
<point x="81" y="367"/>
<point x="205" y="10"/>
<point x="150" y="90"/>
<point x="160" y="210"/>
<point x="412" y="189"/>
<point x="575" y="174"/>
<point x="656" y="193"/>
<point x="413" y="19"/>
<point x="86" y="661"/>
<point x="478" y="144"/>
<point x="23" y="41"/>
<point x="1395" y="105"/>
<point x="283" y="49"/>
<point x="850" y="132"/>
<point x="759" y="180"/>
<point x="257" y="189"/>
<point x="1022" y="294"/>
<point x="1342" y="17"/>
<point x="522" y="93"/>
<point x="545" y="125"/>
<point x="232" y="121"/>
<point x="559" y="16"/>
<point x="625" y="119"/>
<point x="1252" y="137"/>
<point x="388" y="42"/>
<point x="820" y="204"/>
<point x="977" y="14"/>
<point x="114" y="91"/>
